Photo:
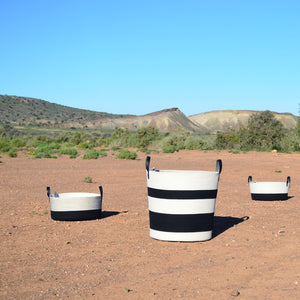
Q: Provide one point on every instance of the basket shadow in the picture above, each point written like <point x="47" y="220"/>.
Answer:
<point x="107" y="214"/>
<point x="274" y="200"/>
<point x="221" y="224"/>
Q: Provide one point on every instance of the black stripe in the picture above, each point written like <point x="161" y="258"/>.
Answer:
<point x="269" y="197"/>
<point x="181" y="223"/>
<point x="179" y="194"/>
<point x="79" y="215"/>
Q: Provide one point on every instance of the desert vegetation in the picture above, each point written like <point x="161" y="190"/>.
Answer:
<point x="263" y="133"/>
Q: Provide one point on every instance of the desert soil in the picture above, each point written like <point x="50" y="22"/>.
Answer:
<point x="254" y="252"/>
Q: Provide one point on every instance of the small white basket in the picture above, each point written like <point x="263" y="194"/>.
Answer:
<point x="75" y="206"/>
<point x="269" y="191"/>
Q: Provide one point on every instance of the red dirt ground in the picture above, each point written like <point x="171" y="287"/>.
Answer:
<point x="115" y="258"/>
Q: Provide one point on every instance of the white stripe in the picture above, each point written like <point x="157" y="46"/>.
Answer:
<point x="183" y="180"/>
<point x="181" y="207"/>
<point x="268" y="187"/>
<point x="181" y="236"/>
<point x="75" y="202"/>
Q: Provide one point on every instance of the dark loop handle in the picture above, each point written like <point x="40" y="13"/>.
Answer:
<point x="288" y="180"/>
<point x="219" y="166"/>
<point x="250" y="179"/>
<point x="48" y="191"/>
<point x="101" y="191"/>
<point x="148" y="165"/>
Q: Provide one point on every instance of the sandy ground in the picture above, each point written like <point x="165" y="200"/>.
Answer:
<point x="254" y="252"/>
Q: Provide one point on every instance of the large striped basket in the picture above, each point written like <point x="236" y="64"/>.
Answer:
<point x="75" y="206"/>
<point x="269" y="191"/>
<point x="182" y="203"/>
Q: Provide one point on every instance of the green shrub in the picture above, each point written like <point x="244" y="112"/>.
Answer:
<point x="169" y="149"/>
<point x="144" y="137"/>
<point x="39" y="155"/>
<point x="290" y="142"/>
<point x="18" y="142"/>
<point x="114" y="148"/>
<point x="83" y="145"/>
<point x="194" y="143"/>
<point x="227" y="140"/>
<point x="91" y="154"/>
<point x="102" y="152"/>
<point x="49" y="149"/>
<point x="72" y="152"/>
<point x="298" y="126"/>
<point x="88" y="179"/>
<point x="34" y="144"/>
<point x="44" y="139"/>
<point x="4" y="145"/>
<point x="12" y="154"/>
<point x="126" y="154"/>
<point x="263" y="132"/>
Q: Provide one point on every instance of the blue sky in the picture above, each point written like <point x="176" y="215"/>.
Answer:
<point x="138" y="56"/>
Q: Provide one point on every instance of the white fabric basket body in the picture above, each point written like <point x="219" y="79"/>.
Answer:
<point x="75" y="206"/>
<point x="268" y="190"/>
<point x="181" y="204"/>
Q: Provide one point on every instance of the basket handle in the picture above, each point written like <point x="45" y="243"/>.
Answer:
<point x="48" y="191"/>
<point x="219" y="166"/>
<point x="101" y="191"/>
<point x="288" y="180"/>
<point x="249" y="179"/>
<point x="148" y="165"/>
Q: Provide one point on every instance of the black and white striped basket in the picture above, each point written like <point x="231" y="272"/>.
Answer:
<point x="75" y="206"/>
<point x="182" y="203"/>
<point x="269" y="191"/>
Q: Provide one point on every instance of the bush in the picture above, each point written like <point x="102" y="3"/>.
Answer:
<point x="88" y="179"/>
<point x="44" y="139"/>
<point x="4" y="145"/>
<point x="12" y="154"/>
<point x="144" y="137"/>
<point x="102" y="152"/>
<point x="78" y="137"/>
<point x="298" y="125"/>
<point x="263" y="132"/>
<point x="169" y="149"/>
<point x="91" y="154"/>
<point x="290" y="142"/>
<point x="72" y="152"/>
<point x="83" y="145"/>
<point x="196" y="143"/>
<point x="18" y="142"/>
<point x="227" y="140"/>
<point x="126" y="154"/>
<point x="119" y="138"/>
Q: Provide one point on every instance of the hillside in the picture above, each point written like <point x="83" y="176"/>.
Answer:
<point x="23" y="110"/>
<point x="29" y="111"/>
<point x="167" y="120"/>
<point x="225" y="119"/>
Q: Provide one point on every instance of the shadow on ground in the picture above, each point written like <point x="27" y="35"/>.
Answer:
<point x="107" y="214"/>
<point x="222" y="224"/>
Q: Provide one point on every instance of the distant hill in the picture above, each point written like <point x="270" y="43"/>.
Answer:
<point x="226" y="119"/>
<point x="23" y="110"/>
<point x="167" y="120"/>
<point x="30" y="111"/>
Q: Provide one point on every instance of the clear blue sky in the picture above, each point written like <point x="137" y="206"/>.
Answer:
<point x="140" y="56"/>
